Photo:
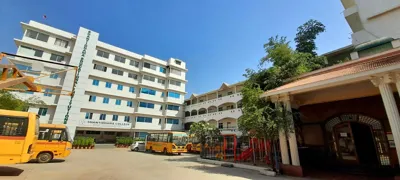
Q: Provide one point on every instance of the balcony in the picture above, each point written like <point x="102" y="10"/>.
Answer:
<point x="172" y="113"/>
<point x="348" y="3"/>
<point x="148" y="126"/>
<point x="152" y="84"/>
<point x="232" y="113"/>
<point x="225" y="131"/>
<point x="175" y="100"/>
<point x="234" y="98"/>
<point x="113" y="77"/>
<point x="148" y="111"/>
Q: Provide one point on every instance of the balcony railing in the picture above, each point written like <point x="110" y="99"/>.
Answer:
<point x="215" y="102"/>
<point x="232" y="113"/>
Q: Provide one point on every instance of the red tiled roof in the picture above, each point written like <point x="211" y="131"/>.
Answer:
<point x="369" y="63"/>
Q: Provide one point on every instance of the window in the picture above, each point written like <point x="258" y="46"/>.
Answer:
<point x="149" y="66"/>
<point x="161" y="81"/>
<point x="47" y="92"/>
<point x="117" y="72"/>
<point x="42" y="111"/>
<point x="230" y="93"/>
<point x="176" y="83"/>
<point x="53" y="75"/>
<point x="127" y="119"/>
<point x="108" y="85"/>
<point x="148" y="91"/>
<point x="172" y="121"/>
<point x="163" y="70"/>
<point x="95" y="82"/>
<point x="103" y="54"/>
<point x="120" y="87"/>
<point x="159" y="121"/>
<point x="134" y="63"/>
<point x="174" y="95"/>
<point x="146" y="105"/>
<point x="119" y="59"/>
<point x="219" y="95"/>
<point x="162" y="94"/>
<point x="173" y="107"/>
<point x="175" y="71"/>
<point x="129" y="103"/>
<point x="56" y="57"/>
<point x="37" y="35"/>
<point x="178" y="62"/>
<point x="100" y="67"/>
<point x="92" y="98"/>
<point x="220" y="109"/>
<point x="88" y="115"/>
<point x="161" y="107"/>
<point x="60" y="42"/>
<point x="106" y="100"/>
<point x="149" y="78"/>
<point x="118" y="102"/>
<point x="132" y="75"/>
<point x="102" y="116"/>
<point x="220" y="125"/>
<point x="144" y="119"/>
<point x="14" y="126"/>
<point x="37" y="53"/>
<point x="115" y="117"/>
<point x="228" y="124"/>
<point x="131" y="89"/>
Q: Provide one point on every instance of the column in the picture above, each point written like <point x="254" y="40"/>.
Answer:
<point x="282" y="138"/>
<point x="390" y="107"/>
<point x="397" y="79"/>
<point x="294" y="152"/>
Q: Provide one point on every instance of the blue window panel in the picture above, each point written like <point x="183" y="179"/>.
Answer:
<point x="102" y="116"/>
<point x="142" y="104"/>
<point x="146" y="105"/>
<point x="29" y="92"/>
<point x="88" y="115"/>
<point x="92" y="98"/>
<point x="142" y="134"/>
<point x="95" y="82"/>
<point x="148" y="91"/>
<point x="163" y="70"/>
<point x="144" y="119"/>
<point x="174" y="95"/>
<point x="108" y="85"/>
<point x="120" y="87"/>
<point x="172" y="121"/>
<point x="53" y="76"/>
<point x="150" y="105"/>
<point x="115" y="117"/>
<point x="118" y="102"/>
<point x="127" y="119"/>
<point x="173" y="107"/>
<point x="106" y="100"/>
<point x="131" y="89"/>
<point x="47" y="92"/>
<point x="162" y="94"/>
<point x="129" y="103"/>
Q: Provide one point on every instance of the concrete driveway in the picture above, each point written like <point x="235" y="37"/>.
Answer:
<point x="113" y="163"/>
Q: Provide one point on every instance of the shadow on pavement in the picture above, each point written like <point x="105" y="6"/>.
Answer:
<point x="243" y="173"/>
<point x="10" y="171"/>
<point x="183" y="159"/>
<point x="52" y="161"/>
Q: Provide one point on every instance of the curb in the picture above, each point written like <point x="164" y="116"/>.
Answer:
<point x="261" y="170"/>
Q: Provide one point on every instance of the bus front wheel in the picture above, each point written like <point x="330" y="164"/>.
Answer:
<point x="44" y="157"/>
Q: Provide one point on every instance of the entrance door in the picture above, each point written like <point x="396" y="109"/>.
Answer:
<point x="364" y="142"/>
<point x="345" y="143"/>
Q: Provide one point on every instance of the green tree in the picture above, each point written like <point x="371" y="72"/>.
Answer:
<point x="202" y="130"/>
<point x="9" y="101"/>
<point x="306" y="35"/>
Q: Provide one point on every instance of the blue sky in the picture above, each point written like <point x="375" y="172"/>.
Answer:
<point x="217" y="39"/>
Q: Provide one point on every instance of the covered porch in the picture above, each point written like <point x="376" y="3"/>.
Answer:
<point x="346" y="118"/>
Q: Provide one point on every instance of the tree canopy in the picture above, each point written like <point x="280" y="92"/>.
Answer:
<point x="261" y="118"/>
<point x="9" y="101"/>
<point x="202" y="130"/>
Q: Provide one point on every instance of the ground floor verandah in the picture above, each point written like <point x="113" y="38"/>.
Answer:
<point x="346" y="118"/>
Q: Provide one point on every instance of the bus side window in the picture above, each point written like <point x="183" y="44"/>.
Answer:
<point x="44" y="134"/>
<point x="64" y="136"/>
<point x="169" y="137"/>
<point x="56" y="135"/>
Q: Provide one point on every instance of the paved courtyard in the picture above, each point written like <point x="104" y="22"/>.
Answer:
<point x="112" y="163"/>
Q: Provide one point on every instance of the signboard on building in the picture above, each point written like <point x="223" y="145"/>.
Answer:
<point x="104" y="124"/>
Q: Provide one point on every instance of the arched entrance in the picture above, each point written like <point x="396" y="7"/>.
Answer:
<point x="357" y="139"/>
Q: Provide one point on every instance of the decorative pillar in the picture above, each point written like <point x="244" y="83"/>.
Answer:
<point x="396" y="77"/>
<point x="282" y="138"/>
<point x="390" y="107"/>
<point x="294" y="152"/>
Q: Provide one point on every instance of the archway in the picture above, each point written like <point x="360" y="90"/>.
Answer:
<point x="356" y="138"/>
<point x="202" y="111"/>
<point x="213" y="122"/>
<point x="212" y="109"/>
<point x="187" y="113"/>
<point x="226" y="106"/>
<point x="193" y="113"/>
<point x="187" y="126"/>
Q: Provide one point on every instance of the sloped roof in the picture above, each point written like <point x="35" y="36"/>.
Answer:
<point x="388" y="58"/>
<point x="224" y="86"/>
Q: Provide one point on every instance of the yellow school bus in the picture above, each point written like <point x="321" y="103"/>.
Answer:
<point x="168" y="142"/>
<point x="54" y="142"/>
<point x="18" y="135"/>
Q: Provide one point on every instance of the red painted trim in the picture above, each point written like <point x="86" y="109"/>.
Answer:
<point x="12" y="137"/>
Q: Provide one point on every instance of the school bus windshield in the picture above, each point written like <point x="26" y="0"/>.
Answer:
<point x="180" y="139"/>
